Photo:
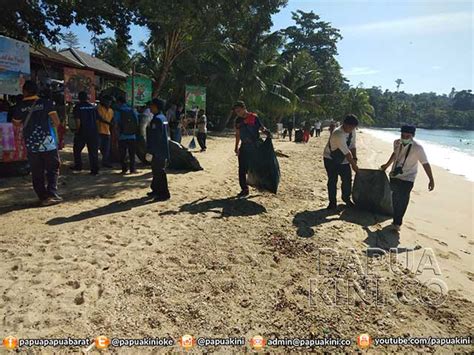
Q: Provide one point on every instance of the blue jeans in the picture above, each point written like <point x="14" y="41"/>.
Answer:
<point x="104" y="146"/>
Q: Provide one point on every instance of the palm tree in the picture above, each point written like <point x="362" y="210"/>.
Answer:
<point x="399" y="82"/>
<point x="357" y="102"/>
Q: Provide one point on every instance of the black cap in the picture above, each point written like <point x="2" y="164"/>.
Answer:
<point x="351" y="120"/>
<point x="408" y="129"/>
<point x="240" y="104"/>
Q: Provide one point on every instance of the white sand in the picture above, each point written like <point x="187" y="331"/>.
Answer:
<point x="106" y="263"/>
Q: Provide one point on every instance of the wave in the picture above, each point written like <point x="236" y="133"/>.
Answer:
<point x="450" y="158"/>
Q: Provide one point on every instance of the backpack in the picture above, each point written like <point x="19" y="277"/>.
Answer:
<point x="128" y="123"/>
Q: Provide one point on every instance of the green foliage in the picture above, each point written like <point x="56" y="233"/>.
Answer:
<point x="69" y="39"/>
<point x="38" y="21"/>
<point x="428" y="110"/>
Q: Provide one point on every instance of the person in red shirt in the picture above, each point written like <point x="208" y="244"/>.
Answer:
<point x="247" y="128"/>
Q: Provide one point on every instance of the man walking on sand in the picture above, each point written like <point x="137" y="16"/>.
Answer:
<point x="157" y="145"/>
<point x="104" y="122"/>
<point x="247" y="127"/>
<point x="127" y="120"/>
<point x="39" y="119"/>
<point x="86" y="116"/>
<point x="405" y="157"/>
<point x="201" y="123"/>
<point x="340" y="155"/>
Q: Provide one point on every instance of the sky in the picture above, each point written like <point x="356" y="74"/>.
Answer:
<point x="426" y="43"/>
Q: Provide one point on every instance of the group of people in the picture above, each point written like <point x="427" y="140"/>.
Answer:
<point x="340" y="156"/>
<point x="93" y="129"/>
<point x="308" y="130"/>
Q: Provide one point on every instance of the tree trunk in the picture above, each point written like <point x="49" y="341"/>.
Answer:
<point x="172" y="51"/>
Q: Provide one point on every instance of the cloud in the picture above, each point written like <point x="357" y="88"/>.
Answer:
<point x="436" y="67"/>
<point x="354" y="71"/>
<point x="446" y="22"/>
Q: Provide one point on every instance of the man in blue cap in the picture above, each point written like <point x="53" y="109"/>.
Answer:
<point x="405" y="157"/>
<point x="157" y="145"/>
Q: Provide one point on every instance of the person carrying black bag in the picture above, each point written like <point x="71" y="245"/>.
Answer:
<point x="340" y="155"/>
<point x="247" y="127"/>
<point x="405" y="157"/>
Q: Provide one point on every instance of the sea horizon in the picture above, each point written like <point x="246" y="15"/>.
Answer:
<point x="450" y="149"/>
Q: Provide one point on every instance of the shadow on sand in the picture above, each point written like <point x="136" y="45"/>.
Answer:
<point x="114" y="207"/>
<point x="378" y="240"/>
<point x="226" y="207"/>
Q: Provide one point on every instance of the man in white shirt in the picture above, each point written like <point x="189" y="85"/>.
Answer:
<point x="340" y="155"/>
<point x="317" y="128"/>
<point x="405" y="157"/>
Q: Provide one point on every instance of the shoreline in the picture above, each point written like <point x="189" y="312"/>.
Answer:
<point x="440" y="220"/>
<point x="418" y="127"/>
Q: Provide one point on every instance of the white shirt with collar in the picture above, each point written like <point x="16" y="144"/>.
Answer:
<point x="338" y="140"/>
<point x="410" y="168"/>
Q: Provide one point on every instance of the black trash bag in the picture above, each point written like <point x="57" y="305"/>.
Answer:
<point x="180" y="157"/>
<point x="299" y="136"/>
<point x="264" y="170"/>
<point x="371" y="191"/>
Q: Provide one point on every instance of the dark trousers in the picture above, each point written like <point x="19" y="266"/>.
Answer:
<point x="245" y="154"/>
<point x="159" y="183"/>
<point x="130" y="146"/>
<point x="334" y="171"/>
<point x="400" y="198"/>
<point x="318" y="133"/>
<point x="44" y="163"/>
<point x="92" y="143"/>
<point x="175" y="134"/>
<point x="201" y="137"/>
<point x="290" y="133"/>
<point x="104" y="146"/>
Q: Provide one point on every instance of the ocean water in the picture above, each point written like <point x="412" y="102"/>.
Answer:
<point x="452" y="150"/>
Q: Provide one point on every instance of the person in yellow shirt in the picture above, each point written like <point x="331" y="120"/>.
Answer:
<point x="106" y="115"/>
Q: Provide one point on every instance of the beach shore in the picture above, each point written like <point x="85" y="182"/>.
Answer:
<point x="441" y="220"/>
<point x="109" y="262"/>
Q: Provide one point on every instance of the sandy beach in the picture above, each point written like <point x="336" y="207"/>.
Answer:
<point x="108" y="262"/>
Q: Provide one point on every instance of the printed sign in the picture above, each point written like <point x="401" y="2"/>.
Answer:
<point x="14" y="65"/>
<point x="77" y="80"/>
<point x="195" y="97"/>
<point x="142" y="90"/>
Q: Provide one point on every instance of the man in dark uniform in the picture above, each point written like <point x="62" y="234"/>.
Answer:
<point x="157" y="145"/>
<point x="39" y="119"/>
<point x="247" y="127"/>
<point x="86" y="117"/>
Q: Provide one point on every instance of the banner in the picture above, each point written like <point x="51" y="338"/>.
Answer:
<point x="143" y="90"/>
<point x="77" y="80"/>
<point x="14" y="65"/>
<point x="195" y="97"/>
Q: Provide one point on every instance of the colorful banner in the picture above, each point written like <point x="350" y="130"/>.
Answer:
<point x="195" y="97"/>
<point x="14" y="65"/>
<point x="77" y="80"/>
<point x="143" y="90"/>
